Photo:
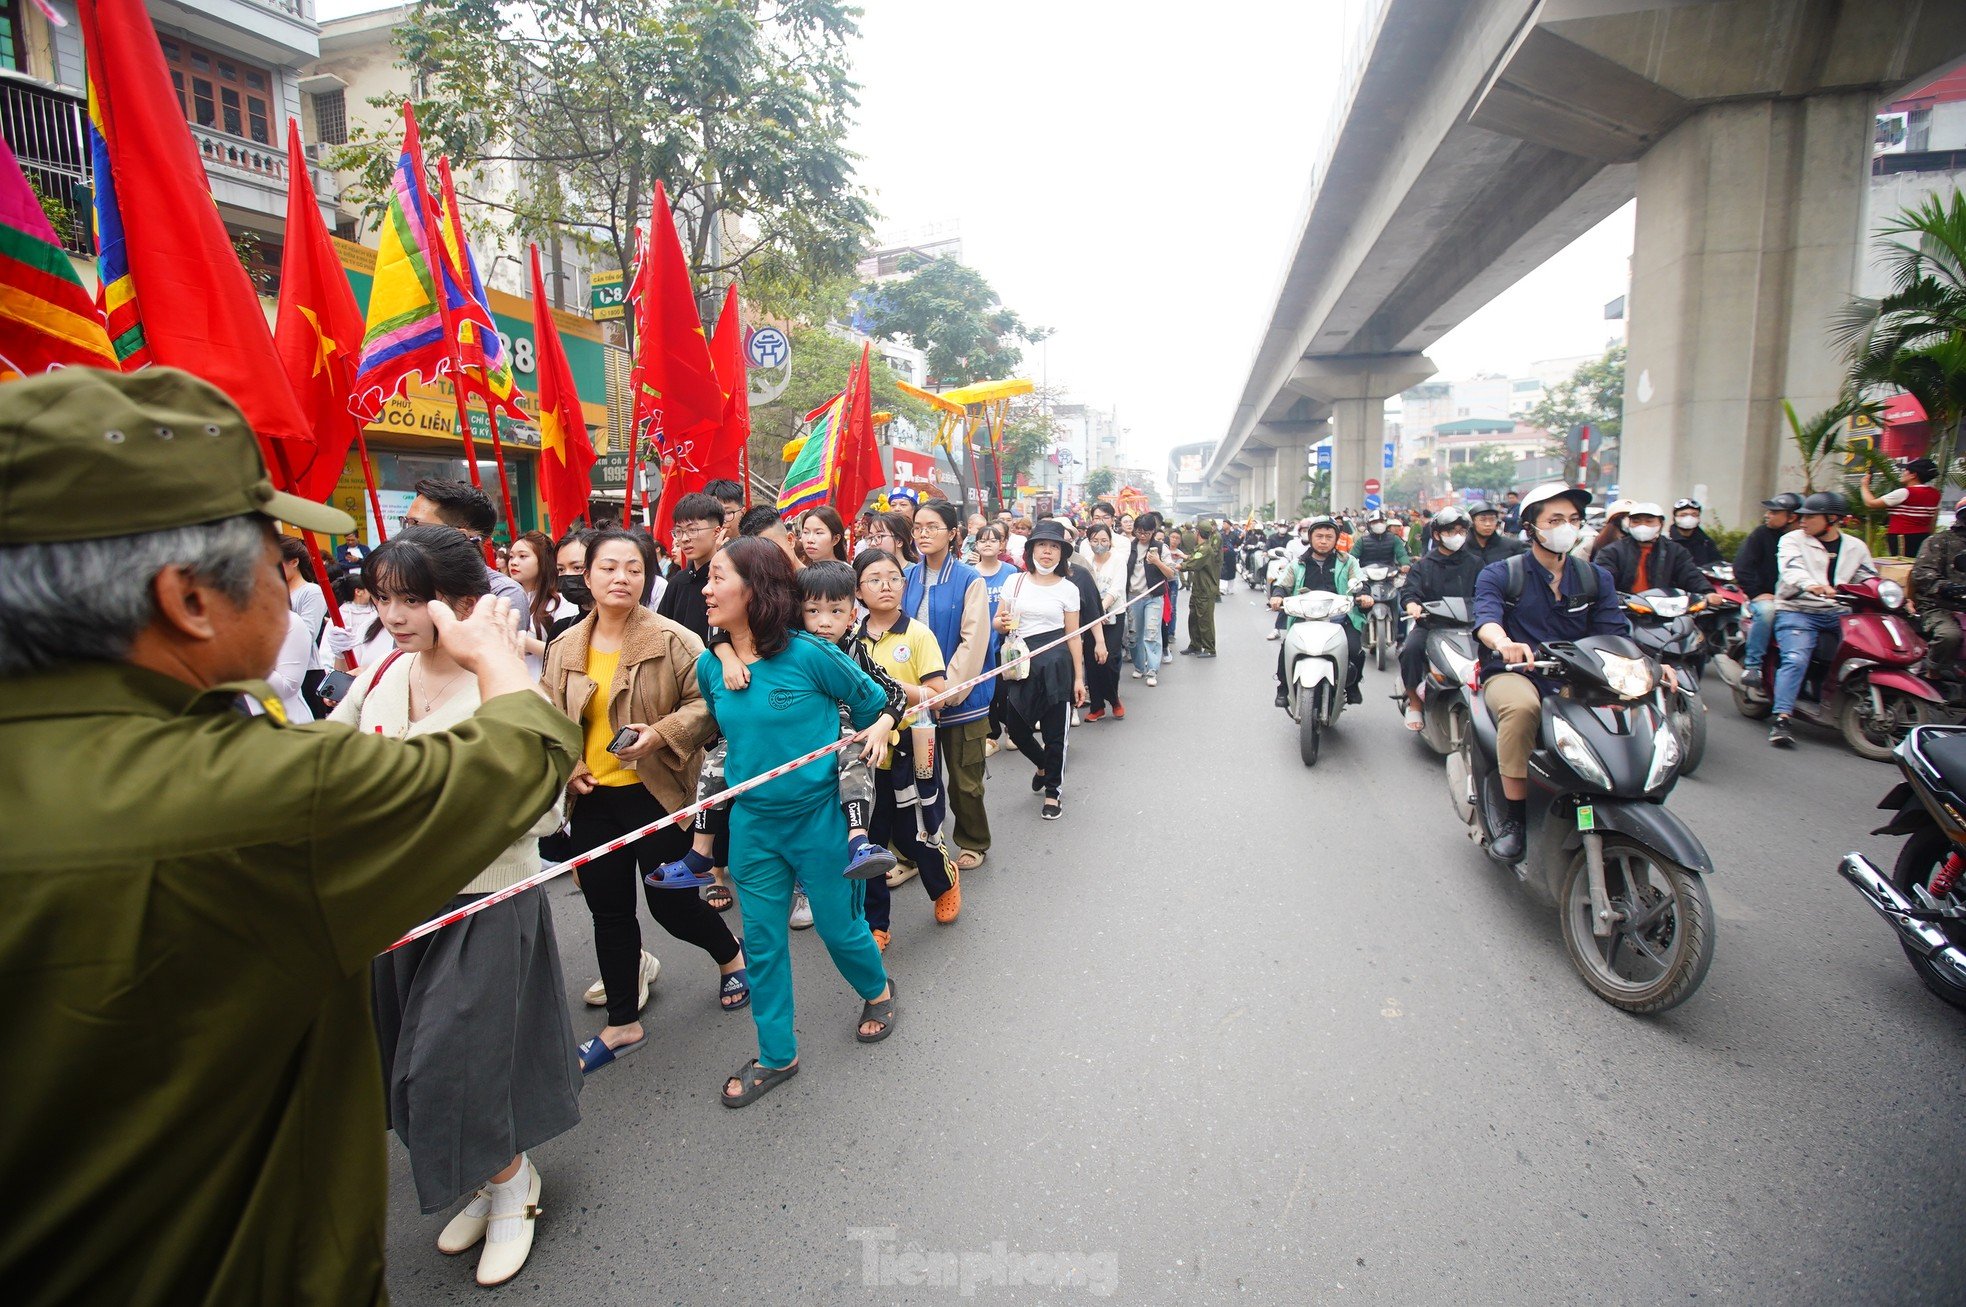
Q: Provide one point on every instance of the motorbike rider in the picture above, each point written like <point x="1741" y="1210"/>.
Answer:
<point x="1641" y="559"/>
<point x="1914" y="506"/>
<point x="1810" y="564"/>
<point x="1560" y="597"/>
<point x="1323" y="566"/>
<point x="1447" y="571"/>
<point x="1686" y="533"/>
<point x="1489" y="542"/>
<point x="1380" y="544"/>
<point x="1938" y="583"/>
<point x="1754" y="573"/>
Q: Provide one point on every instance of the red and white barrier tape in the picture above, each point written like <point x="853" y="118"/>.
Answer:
<point x="545" y="874"/>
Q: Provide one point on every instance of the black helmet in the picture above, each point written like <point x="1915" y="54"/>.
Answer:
<point x="1480" y="506"/>
<point x="1923" y="468"/>
<point x="1826" y="503"/>
<point x="1787" y="502"/>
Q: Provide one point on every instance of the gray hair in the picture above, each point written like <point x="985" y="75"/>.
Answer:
<point x="87" y="600"/>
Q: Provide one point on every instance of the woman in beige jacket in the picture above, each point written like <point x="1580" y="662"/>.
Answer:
<point x="628" y="677"/>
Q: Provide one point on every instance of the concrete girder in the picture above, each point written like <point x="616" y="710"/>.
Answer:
<point x="1357" y="390"/>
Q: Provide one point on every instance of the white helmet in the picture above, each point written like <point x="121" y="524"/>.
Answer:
<point x="1644" y="509"/>
<point x="1553" y="490"/>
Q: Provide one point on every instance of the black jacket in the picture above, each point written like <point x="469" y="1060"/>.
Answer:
<point x="1698" y="543"/>
<point x="1500" y="545"/>
<point x="683" y="601"/>
<point x="1670" y="568"/>
<point x="1754" y="565"/>
<point x="1441" y="576"/>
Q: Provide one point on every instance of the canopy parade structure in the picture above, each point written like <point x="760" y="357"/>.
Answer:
<point x="983" y="407"/>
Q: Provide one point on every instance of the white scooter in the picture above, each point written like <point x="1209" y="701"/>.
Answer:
<point x="1316" y="665"/>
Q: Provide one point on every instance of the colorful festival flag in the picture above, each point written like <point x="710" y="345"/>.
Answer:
<point x="566" y="455"/>
<point x="480" y="350"/>
<point x="173" y="289"/>
<point x="809" y="481"/>
<point x="48" y="319"/>
<point x="404" y="338"/>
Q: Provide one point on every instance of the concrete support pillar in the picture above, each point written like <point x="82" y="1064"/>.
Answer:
<point x="1292" y="480"/>
<point x="1358" y="434"/>
<point x="1245" y="490"/>
<point x="1750" y="235"/>
<point x="1264" y="482"/>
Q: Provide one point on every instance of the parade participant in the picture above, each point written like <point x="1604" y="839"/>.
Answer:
<point x="360" y="637"/>
<point x="1938" y="584"/>
<point x="996" y="571"/>
<point x="953" y="600"/>
<point x="1092" y="632"/>
<point x="1645" y="560"/>
<point x="1325" y="567"/>
<point x="791" y="826"/>
<point x="477" y="1052"/>
<point x="1174" y="544"/>
<point x="891" y="533"/>
<point x="764" y="523"/>
<point x="1203" y="568"/>
<point x="1809" y="565"/>
<point x="699" y="530"/>
<point x="570" y="579"/>
<point x="1755" y="574"/>
<point x="310" y="606"/>
<point x="1560" y="598"/>
<point x="822" y="535"/>
<point x="463" y="507"/>
<point x="531" y="564"/>
<point x="624" y="669"/>
<point x="1914" y="507"/>
<point x="1231" y="551"/>
<point x="908" y="808"/>
<point x="1038" y="606"/>
<point x="1687" y="534"/>
<point x="1146" y="568"/>
<point x="1447" y="571"/>
<point x="906" y="502"/>
<point x="730" y="497"/>
<point x="1102" y="676"/>
<point x="1488" y="542"/>
<point x="246" y="872"/>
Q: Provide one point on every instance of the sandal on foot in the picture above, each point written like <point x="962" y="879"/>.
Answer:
<point x="754" y="1082"/>
<point x="881" y="1011"/>
<point x="719" y="897"/>
<point x="677" y="875"/>
<point x="970" y="859"/>
<point x="736" y="984"/>
<point x="1053" y="809"/>
<point x="595" y="1054"/>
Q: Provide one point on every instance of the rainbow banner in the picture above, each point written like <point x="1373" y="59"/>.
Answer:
<point x="481" y="352"/>
<point x="116" y="292"/>
<point x="809" y="481"/>
<point x="47" y="317"/>
<point x="405" y="334"/>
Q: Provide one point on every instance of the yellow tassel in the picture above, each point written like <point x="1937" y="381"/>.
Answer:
<point x="792" y="448"/>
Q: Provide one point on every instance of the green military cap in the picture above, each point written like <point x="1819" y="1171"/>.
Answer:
<point x="86" y="454"/>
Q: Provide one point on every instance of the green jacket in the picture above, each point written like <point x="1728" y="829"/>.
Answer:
<point x="189" y="901"/>
<point x="1204" y="567"/>
<point x="1341" y="577"/>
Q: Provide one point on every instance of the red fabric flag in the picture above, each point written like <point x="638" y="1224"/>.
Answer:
<point x="725" y="456"/>
<point x="198" y="309"/>
<point x="566" y="455"/>
<point x="860" y="457"/>
<point x="678" y="403"/>
<point x="318" y="332"/>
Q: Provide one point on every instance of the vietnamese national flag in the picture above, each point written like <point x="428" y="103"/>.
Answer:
<point x="729" y="448"/>
<point x="318" y="332"/>
<point x="861" y="473"/>
<point x="677" y="400"/>
<point x="566" y="455"/>
<point x="176" y="273"/>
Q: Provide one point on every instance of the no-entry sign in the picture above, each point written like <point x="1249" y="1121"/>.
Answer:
<point x="1372" y="485"/>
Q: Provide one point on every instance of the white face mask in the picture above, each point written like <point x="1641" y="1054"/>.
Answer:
<point x="1045" y="568"/>
<point x="1453" y="542"/>
<point x="1559" y="539"/>
<point x="1687" y="521"/>
<point x="1645" y="534"/>
<point x="1378" y="528"/>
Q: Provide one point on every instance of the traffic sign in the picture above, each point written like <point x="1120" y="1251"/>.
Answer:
<point x="1324" y="458"/>
<point x="1372" y="502"/>
<point x="1388" y="459"/>
<point x="1372" y="487"/>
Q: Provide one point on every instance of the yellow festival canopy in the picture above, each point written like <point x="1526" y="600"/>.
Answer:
<point x="989" y="392"/>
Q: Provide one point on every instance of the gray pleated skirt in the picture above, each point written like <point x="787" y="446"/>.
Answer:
<point x="478" y="1060"/>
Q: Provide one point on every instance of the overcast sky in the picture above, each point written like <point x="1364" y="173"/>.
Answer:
<point x="1135" y="185"/>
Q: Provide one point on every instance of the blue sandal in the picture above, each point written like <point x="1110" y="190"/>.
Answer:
<point x="677" y="875"/>
<point x="737" y="984"/>
<point x="595" y="1054"/>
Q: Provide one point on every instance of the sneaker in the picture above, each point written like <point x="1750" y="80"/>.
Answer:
<point x="1508" y="844"/>
<point x="1353" y="695"/>
<point x="1414" y="720"/>
<point x="1095" y="715"/>
<point x="1138" y="674"/>
<point x="1205" y="653"/>
<point x="1190" y="649"/>
<point x="596" y="996"/>
<point x="866" y="860"/>
<point x="651" y="968"/>
<point x="1152" y="680"/>
<point x="1779" y="734"/>
<point x="1274" y="635"/>
<point x="1119" y="712"/>
<point x="801" y="918"/>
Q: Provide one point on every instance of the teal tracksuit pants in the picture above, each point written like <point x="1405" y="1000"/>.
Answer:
<point x="767" y="852"/>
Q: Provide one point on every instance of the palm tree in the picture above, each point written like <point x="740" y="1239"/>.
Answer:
<point x="1816" y="441"/>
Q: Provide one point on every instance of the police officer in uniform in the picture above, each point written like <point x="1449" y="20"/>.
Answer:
<point x="191" y="890"/>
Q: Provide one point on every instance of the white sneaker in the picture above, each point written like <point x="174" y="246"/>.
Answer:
<point x="651" y="968"/>
<point x="1138" y="675"/>
<point x="505" y="1257"/>
<point x="1274" y="635"/>
<point x="1075" y="717"/>
<point x="1152" y="681"/>
<point x="596" y="995"/>
<point x="801" y="918"/>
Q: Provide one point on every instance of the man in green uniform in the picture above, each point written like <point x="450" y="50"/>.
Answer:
<point x="1204" y="570"/>
<point x="190" y="894"/>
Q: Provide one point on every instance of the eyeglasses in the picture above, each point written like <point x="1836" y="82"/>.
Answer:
<point x="692" y="532"/>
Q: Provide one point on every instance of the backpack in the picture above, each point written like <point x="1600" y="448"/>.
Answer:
<point x="1586" y="583"/>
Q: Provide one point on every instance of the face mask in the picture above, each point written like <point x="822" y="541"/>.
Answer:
<point x="1044" y="568"/>
<point x="1559" y="539"/>
<point x="574" y="590"/>
<point x="1378" y="528"/>
<point x="1645" y="534"/>
<point x="1687" y="521"/>
<point x="1102" y="546"/>
<point x="1453" y="542"/>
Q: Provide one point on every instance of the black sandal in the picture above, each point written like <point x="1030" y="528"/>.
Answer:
<point x="754" y="1082"/>
<point x="881" y="1011"/>
<point x="1053" y="809"/>
<point x="712" y="893"/>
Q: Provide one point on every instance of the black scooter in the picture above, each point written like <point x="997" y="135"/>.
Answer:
<point x="1451" y="674"/>
<point x="1623" y="872"/>
<point x="1665" y="624"/>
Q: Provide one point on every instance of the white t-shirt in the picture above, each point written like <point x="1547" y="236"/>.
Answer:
<point x="295" y="660"/>
<point x="1013" y="547"/>
<point x="1041" y="609"/>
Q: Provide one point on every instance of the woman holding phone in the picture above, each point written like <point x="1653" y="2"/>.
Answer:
<point x="628" y="676"/>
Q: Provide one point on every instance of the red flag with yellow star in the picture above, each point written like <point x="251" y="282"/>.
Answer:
<point x="318" y="333"/>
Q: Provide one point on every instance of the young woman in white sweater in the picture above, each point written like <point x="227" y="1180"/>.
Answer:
<point x="477" y="1047"/>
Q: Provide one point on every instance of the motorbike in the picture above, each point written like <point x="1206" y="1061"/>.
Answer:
<point x="1720" y="621"/>
<point x="1316" y="665"/>
<point x="1924" y="897"/>
<point x="1663" y="623"/>
<point x="1381" y="621"/>
<point x="1255" y="564"/>
<point x="1624" y="873"/>
<point x="1451" y="673"/>
<point x="1868" y="686"/>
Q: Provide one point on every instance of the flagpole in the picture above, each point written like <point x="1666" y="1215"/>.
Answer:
<point x="628" y="490"/>
<point x="504" y="484"/>
<point x="315" y="565"/>
<point x="368" y="480"/>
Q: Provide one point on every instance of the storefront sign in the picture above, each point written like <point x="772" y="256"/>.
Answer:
<point x="605" y="296"/>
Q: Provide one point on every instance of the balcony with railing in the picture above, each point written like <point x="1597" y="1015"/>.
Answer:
<point x="48" y="130"/>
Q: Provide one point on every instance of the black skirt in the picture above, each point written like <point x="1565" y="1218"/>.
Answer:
<point x="1049" y="683"/>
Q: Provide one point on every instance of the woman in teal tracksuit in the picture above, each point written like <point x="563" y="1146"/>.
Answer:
<point x="792" y="826"/>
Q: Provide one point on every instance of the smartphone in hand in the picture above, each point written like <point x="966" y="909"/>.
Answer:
<point x="624" y="738"/>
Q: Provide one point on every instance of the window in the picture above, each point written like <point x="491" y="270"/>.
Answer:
<point x="219" y="92"/>
<point x="11" y="55"/>
<point x="331" y="117"/>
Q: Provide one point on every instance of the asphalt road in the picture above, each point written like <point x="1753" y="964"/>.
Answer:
<point x="1236" y="1027"/>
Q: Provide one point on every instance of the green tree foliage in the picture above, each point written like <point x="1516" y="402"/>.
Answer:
<point x="740" y="107"/>
<point x="950" y="312"/>
<point x="1101" y="481"/>
<point x="1488" y="468"/>
<point x="821" y="361"/>
<point x="1410" y="488"/>
<point x="1595" y="394"/>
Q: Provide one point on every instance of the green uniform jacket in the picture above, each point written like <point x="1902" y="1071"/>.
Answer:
<point x="189" y="900"/>
<point x="1341" y="576"/>
<point x="1204" y="567"/>
<point x="1938" y="564"/>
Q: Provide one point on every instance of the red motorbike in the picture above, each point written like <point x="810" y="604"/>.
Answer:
<point x="1868" y="685"/>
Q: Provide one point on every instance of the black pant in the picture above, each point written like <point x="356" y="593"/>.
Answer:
<point x="1102" y="680"/>
<point x="1048" y="755"/>
<point x="1355" y="658"/>
<point x="608" y="884"/>
<point x="897" y="827"/>
<point x="1906" y="544"/>
<point x="1413" y="658"/>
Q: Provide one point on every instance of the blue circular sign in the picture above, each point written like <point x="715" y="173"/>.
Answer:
<point x="768" y="348"/>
